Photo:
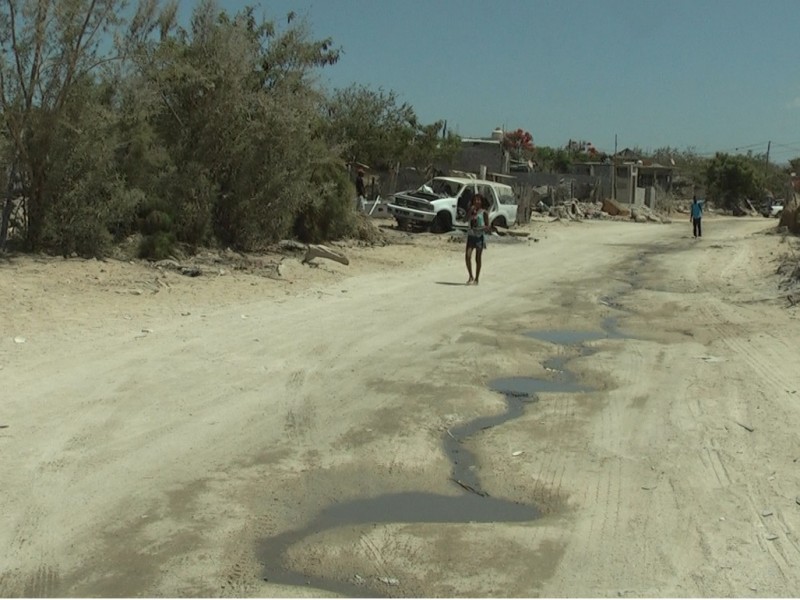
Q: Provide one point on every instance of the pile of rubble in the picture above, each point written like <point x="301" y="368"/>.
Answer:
<point x="573" y="210"/>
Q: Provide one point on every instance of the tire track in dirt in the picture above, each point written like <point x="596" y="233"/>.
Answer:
<point x="744" y="384"/>
<point x="44" y="580"/>
<point x="772" y="539"/>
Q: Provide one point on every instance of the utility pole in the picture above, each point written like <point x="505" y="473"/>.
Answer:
<point x="766" y="160"/>
<point x="614" y="170"/>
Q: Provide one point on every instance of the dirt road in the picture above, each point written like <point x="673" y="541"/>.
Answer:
<point x="279" y="440"/>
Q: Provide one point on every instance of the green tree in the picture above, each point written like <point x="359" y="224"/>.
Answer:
<point x="371" y="126"/>
<point x="431" y="148"/>
<point x="553" y="160"/>
<point x="233" y="104"/>
<point x="87" y="201"/>
<point x="732" y="178"/>
<point x="48" y="47"/>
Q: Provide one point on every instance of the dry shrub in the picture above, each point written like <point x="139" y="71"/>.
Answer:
<point x="366" y="231"/>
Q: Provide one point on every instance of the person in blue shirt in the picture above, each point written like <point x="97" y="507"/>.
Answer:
<point x="696" y="217"/>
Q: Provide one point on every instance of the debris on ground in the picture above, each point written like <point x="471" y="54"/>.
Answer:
<point x="218" y="263"/>
<point x="614" y="208"/>
<point x="320" y="251"/>
<point x="789" y="272"/>
<point x="609" y="209"/>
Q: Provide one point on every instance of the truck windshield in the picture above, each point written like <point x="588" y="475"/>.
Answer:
<point x="441" y="187"/>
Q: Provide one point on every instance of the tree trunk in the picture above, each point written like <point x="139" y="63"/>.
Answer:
<point x="34" y="232"/>
<point x="7" y="207"/>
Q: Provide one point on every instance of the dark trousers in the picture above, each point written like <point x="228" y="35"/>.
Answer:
<point x="697" y="228"/>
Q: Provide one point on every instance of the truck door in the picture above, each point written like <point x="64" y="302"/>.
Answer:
<point x="488" y="192"/>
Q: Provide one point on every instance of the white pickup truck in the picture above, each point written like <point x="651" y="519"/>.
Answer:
<point x="441" y="204"/>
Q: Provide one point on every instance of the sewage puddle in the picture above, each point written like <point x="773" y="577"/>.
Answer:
<point x="576" y="337"/>
<point x="410" y="507"/>
<point x="470" y="504"/>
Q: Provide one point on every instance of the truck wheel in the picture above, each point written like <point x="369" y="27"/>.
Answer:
<point x="499" y="222"/>
<point x="442" y="223"/>
<point x="402" y="224"/>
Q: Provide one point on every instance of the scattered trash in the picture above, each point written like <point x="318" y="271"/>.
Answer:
<point x="320" y="251"/>
<point x="469" y="488"/>
<point x="797" y="499"/>
<point x="3" y="426"/>
<point x="146" y="330"/>
<point x="766" y="513"/>
<point x="772" y="536"/>
<point x="650" y="487"/>
<point x="750" y="429"/>
<point x="711" y="359"/>
<point x="358" y="578"/>
<point x="389" y="580"/>
<point x="19" y="340"/>
<point x="517" y="453"/>
<point x="722" y="518"/>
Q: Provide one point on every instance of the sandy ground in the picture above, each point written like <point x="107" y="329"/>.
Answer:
<point x="232" y="434"/>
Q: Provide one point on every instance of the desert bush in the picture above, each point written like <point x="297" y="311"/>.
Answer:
<point x="156" y="224"/>
<point x="188" y="197"/>
<point x="731" y="178"/>
<point x="88" y="217"/>
<point x="329" y="213"/>
<point x="157" y="246"/>
<point x="665" y="202"/>
<point x="83" y="201"/>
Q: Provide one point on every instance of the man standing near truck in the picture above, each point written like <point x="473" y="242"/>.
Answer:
<point x="361" y="191"/>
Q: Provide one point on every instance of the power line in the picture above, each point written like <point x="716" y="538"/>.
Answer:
<point x="788" y="148"/>
<point x="750" y="146"/>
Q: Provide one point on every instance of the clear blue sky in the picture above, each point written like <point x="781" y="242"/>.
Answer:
<point x="707" y="74"/>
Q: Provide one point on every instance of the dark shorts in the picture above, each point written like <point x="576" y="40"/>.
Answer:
<point x="476" y="241"/>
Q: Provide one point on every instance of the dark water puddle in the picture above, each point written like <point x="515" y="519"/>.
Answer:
<point x="410" y="507"/>
<point x="471" y="503"/>
<point x="575" y="337"/>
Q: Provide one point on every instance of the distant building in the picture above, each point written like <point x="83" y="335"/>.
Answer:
<point x="627" y="179"/>
<point x="638" y="183"/>
<point x="481" y="152"/>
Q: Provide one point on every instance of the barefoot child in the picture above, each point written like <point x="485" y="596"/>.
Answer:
<point x="478" y="227"/>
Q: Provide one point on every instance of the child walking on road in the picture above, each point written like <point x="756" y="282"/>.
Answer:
<point x="476" y="236"/>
